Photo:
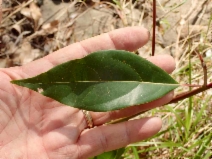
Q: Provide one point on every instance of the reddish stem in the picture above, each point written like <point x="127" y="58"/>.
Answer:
<point x="190" y="93"/>
<point x="198" y="90"/>
<point x="154" y="27"/>
<point x="204" y="68"/>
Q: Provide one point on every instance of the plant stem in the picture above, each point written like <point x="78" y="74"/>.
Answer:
<point x="154" y="27"/>
<point x="204" y="68"/>
<point x="198" y="90"/>
<point x="190" y="93"/>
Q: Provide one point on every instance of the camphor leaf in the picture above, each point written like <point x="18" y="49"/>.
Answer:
<point x="103" y="81"/>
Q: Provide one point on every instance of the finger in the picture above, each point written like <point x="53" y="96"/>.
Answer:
<point x="130" y="38"/>
<point x="166" y="62"/>
<point x="106" y="138"/>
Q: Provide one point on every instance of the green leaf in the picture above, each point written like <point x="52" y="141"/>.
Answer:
<point x="103" y="81"/>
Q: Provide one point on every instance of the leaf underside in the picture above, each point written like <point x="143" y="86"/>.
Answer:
<point x="103" y="81"/>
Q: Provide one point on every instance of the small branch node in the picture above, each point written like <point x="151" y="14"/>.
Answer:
<point x="204" y="69"/>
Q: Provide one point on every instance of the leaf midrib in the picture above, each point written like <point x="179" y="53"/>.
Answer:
<point x="97" y="82"/>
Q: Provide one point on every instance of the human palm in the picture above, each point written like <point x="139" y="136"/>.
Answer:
<point x="33" y="126"/>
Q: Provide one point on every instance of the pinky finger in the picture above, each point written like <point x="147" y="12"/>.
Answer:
<point x="109" y="137"/>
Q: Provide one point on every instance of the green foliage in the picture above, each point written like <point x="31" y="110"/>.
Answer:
<point x="103" y="81"/>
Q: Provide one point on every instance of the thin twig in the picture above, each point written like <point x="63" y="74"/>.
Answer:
<point x="154" y="27"/>
<point x="190" y="93"/>
<point x="204" y="68"/>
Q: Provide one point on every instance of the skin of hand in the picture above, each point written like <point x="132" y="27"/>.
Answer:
<point x="33" y="126"/>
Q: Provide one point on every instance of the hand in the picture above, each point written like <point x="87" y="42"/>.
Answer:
<point x="33" y="126"/>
